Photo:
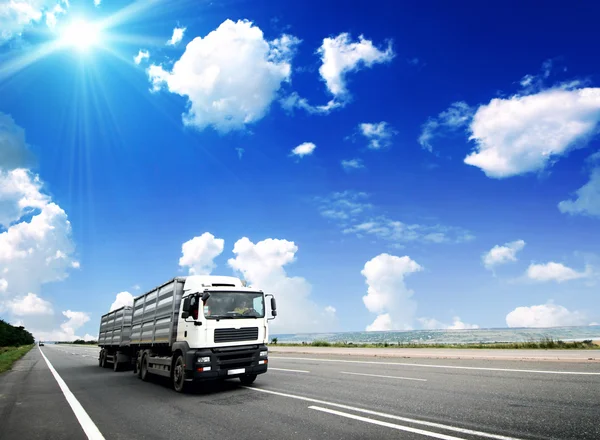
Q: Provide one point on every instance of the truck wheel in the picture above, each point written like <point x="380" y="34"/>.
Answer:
<point x="104" y="362"/>
<point x="100" y="359"/>
<point x="248" y="379"/>
<point x="144" y="369"/>
<point x="178" y="375"/>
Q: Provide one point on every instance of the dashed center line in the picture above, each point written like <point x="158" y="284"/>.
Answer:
<point x="287" y="369"/>
<point x="386" y="377"/>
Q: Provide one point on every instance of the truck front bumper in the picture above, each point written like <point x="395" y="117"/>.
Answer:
<point x="226" y="362"/>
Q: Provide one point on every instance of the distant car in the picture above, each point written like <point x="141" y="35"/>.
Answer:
<point x="41" y="344"/>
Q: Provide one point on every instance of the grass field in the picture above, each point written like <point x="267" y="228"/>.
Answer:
<point x="544" y="344"/>
<point x="9" y="355"/>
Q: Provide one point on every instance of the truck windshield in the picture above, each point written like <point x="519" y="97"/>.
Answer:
<point x="234" y="305"/>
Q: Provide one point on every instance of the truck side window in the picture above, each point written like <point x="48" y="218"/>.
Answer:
<point x="194" y="307"/>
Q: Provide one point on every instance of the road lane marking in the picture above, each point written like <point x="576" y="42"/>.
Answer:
<point x="287" y="369"/>
<point x="89" y="427"/>
<point x="454" y="367"/>
<point x="387" y="424"/>
<point x="386" y="377"/>
<point x="385" y="415"/>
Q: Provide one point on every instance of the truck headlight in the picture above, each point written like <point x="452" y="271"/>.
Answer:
<point x="264" y="354"/>
<point x="204" y="360"/>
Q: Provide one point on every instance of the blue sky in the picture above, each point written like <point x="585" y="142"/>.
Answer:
<point x="380" y="166"/>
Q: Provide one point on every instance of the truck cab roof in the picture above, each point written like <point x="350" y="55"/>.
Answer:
<point x="200" y="283"/>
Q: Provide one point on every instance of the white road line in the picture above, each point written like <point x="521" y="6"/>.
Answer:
<point x="387" y="424"/>
<point x="455" y="367"/>
<point x="386" y="377"/>
<point x="89" y="427"/>
<point x="387" y="416"/>
<point x="286" y="369"/>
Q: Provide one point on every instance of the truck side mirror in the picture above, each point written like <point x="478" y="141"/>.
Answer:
<point x="273" y="306"/>
<point x="185" y="310"/>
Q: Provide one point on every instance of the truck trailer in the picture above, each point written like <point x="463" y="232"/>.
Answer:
<point x="190" y="329"/>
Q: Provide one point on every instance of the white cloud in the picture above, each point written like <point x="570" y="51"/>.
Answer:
<point x="378" y="134"/>
<point x="14" y="152"/>
<point x="387" y="294"/>
<point x="341" y="55"/>
<point x="230" y="77"/>
<point x="352" y="164"/>
<point x="141" y="56"/>
<point x="30" y="304"/>
<point x="262" y="264"/>
<point x="20" y="192"/>
<point x="502" y="254"/>
<point x="304" y="149"/>
<point x="434" y="324"/>
<point x="587" y="198"/>
<point x="199" y="252"/>
<point x="457" y="116"/>
<point x="544" y="315"/>
<point x="354" y="215"/>
<point x="3" y="285"/>
<point x="330" y="310"/>
<point x="51" y="15"/>
<point x="122" y="299"/>
<point x="177" y="36"/>
<point x="68" y="329"/>
<point x="555" y="272"/>
<point x="17" y="15"/>
<point x="523" y="134"/>
<point x="97" y="2"/>
<point x="35" y="242"/>
<point x="136" y="287"/>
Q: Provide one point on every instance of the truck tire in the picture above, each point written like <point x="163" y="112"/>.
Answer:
<point x="178" y="375"/>
<point x="100" y="358"/>
<point x="248" y="379"/>
<point x="144" y="369"/>
<point x="104" y="362"/>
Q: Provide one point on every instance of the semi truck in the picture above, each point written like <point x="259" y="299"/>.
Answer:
<point x="190" y="329"/>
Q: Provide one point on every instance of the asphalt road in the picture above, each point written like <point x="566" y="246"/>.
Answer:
<point x="308" y="397"/>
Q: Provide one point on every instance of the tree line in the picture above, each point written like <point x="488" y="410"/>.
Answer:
<point x="11" y="336"/>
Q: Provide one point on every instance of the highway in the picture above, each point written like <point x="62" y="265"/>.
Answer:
<point x="305" y="396"/>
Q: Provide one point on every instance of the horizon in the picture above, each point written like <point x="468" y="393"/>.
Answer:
<point x="384" y="167"/>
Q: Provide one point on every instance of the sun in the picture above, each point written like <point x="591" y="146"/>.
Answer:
<point x="80" y="35"/>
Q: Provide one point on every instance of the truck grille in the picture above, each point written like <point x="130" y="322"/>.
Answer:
<point x="232" y="334"/>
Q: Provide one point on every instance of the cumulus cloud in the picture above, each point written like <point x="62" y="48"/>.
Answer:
<point x="387" y="294"/>
<point x="524" y="134"/>
<point x="304" y="149"/>
<point x="199" y="253"/>
<point x="67" y="332"/>
<point x="457" y="116"/>
<point x="378" y="134"/>
<point x="123" y="299"/>
<point x="434" y="324"/>
<point x="263" y="264"/>
<point x="555" y="272"/>
<point x="141" y="56"/>
<point x="587" y="198"/>
<point x="352" y="164"/>
<point x="545" y="315"/>
<point x="354" y="215"/>
<point x="341" y="55"/>
<point x="35" y="243"/>
<point x="17" y="15"/>
<point x="28" y="305"/>
<point x="230" y="77"/>
<point x="502" y="254"/>
<point x="177" y="36"/>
